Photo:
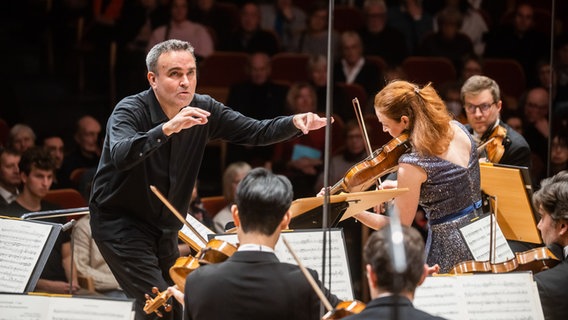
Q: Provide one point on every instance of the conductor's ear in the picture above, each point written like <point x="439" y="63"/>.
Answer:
<point x="151" y="78"/>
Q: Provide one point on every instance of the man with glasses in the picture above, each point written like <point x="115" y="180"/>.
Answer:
<point x="482" y="103"/>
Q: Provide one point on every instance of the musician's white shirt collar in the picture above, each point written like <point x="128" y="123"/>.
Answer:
<point x="565" y="252"/>
<point x="255" y="247"/>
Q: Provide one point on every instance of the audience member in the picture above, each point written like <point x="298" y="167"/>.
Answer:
<point x="249" y="36"/>
<point x="300" y="160"/>
<point x="551" y="200"/>
<point x="284" y="18"/>
<point x="317" y="74"/>
<point x="536" y="128"/>
<point x="90" y="262"/>
<point x="313" y="40"/>
<point x="210" y="14"/>
<point x="179" y="27"/>
<point x="87" y="150"/>
<point x="352" y="153"/>
<point x="22" y="137"/>
<point x="259" y="98"/>
<point x="450" y="92"/>
<point x="36" y="172"/>
<point x="9" y="176"/>
<point x="380" y="38"/>
<point x="390" y="289"/>
<point x="473" y="24"/>
<point x="559" y="152"/>
<point x="353" y="68"/>
<point x="252" y="283"/>
<point x="482" y="103"/>
<point x="410" y="18"/>
<point x="470" y="66"/>
<point x="55" y="146"/>
<point x="519" y="41"/>
<point x="447" y="41"/>
<point x="514" y="120"/>
<point x="234" y="173"/>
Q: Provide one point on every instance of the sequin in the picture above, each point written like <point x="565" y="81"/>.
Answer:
<point x="448" y="189"/>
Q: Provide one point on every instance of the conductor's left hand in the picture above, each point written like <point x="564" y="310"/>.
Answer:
<point x="309" y="121"/>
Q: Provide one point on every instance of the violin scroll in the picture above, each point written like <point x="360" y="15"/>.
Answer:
<point x="153" y="304"/>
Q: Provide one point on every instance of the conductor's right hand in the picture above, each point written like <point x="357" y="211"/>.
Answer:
<point x="186" y="118"/>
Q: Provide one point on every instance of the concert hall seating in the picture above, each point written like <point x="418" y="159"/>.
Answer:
<point x="422" y="70"/>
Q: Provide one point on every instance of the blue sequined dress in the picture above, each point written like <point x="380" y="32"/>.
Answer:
<point x="449" y="197"/>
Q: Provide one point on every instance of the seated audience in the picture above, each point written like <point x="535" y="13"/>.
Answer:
<point x="22" y="137"/>
<point x="36" y="171"/>
<point x="90" y="262"/>
<point x="234" y="173"/>
<point x="9" y="176"/>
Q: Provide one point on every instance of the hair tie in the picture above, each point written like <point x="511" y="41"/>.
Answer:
<point x="416" y="89"/>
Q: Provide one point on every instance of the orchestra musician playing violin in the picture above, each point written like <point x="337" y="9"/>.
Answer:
<point x="441" y="170"/>
<point x="381" y="276"/>
<point x="253" y="283"/>
<point x="551" y="200"/>
<point x="158" y="137"/>
<point x="481" y="98"/>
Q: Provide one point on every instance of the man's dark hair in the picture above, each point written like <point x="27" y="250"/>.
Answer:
<point x="36" y="157"/>
<point x="553" y="196"/>
<point x="377" y="253"/>
<point x="263" y="199"/>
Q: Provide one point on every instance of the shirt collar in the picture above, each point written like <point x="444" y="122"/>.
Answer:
<point x="255" y="247"/>
<point x="7" y="195"/>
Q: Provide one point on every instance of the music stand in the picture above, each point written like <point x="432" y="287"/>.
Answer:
<point x="307" y="212"/>
<point x="515" y="214"/>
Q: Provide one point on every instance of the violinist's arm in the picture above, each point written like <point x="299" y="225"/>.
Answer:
<point x="411" y="177"/>
<point x="408" y="176"/>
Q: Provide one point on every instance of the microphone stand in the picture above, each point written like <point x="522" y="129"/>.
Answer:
<point x="398" y="258"/>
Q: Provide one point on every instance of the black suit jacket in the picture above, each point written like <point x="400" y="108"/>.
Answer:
<point x="553" y="291"/>
<point x="251" y="285"/>
<point x="370" y="77"/>
<point x="517" y="151"/>
<point x="382" y="308"/>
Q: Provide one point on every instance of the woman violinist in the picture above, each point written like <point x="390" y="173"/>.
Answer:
<point x="441" y="170"/>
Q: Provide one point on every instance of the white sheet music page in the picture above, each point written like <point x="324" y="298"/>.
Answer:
<point x="307" y="245"/>
<point x="199" y="227"/>
<point x="21" y="244"/>
<point x="89" y="309"/>
<point x="504" y="296"/>
<point x="477" y="237"/>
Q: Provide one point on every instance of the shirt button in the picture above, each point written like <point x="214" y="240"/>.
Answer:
<point x="140" y="154"/>
<point x="159" y="140"/>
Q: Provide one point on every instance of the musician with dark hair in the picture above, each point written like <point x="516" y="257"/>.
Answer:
<point x="382" y="277"/>
<point x="253" y="283"/>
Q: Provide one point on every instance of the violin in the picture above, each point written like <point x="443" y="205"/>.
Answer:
<point x="535" y="260"/>
<point x="494" y="146"/>
<point x="215" y="251"/>
<point x="344" y="309"/>
<point x="382" y="161"/>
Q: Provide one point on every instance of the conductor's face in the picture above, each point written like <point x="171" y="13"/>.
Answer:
<point x="175" y="80"/>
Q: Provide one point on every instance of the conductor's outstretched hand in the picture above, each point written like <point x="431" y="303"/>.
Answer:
<point x="186" y="118"/>
<point x="309" y="121"/>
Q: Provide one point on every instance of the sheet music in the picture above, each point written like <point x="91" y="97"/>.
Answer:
<point x="505" y="296"/>
<point x="31" y="307"/>
<point x="21" y="244"/>
<point x="199" y="227"/>
<point x="308" y="247"/>
<point x="477" y="237"/>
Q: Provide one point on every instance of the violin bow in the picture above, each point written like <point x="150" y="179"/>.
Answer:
<point x="176" y="213"/>
<point x="480" y="148"/>
<point x="363" y="128"/>
<point x="308" y="276"/>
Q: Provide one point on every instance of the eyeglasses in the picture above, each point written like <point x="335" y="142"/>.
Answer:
<point x="470" y="108"/>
